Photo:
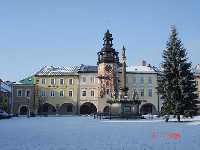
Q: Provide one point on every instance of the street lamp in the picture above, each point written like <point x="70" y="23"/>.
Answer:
<point x="28" y="104"/>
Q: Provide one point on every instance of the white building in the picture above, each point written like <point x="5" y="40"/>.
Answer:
<point x="143" y="80"/>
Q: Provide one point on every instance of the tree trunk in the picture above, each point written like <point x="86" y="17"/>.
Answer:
<point x="178" y="118"/>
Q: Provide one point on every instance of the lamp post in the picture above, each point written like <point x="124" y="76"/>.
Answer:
<point x="28" y="104"/>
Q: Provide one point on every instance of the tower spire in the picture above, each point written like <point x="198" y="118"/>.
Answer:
<point x="107" y="40"/>
<point x="123" y="55"/>
<point x="108" y="53"/>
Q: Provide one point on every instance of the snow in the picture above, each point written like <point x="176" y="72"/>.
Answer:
<point x="86" y="133"/>
<point x="140" y="68"/>
<point x="53" y="70"/>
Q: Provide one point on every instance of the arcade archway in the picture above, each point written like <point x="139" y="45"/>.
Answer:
<point x="23" y="110"/>
<point x="88" y="108"/>
<point x="66" y="108"/>
<point x="148" y="108"/>
<point x="106" y="109"/>
<point x="47" y="109"/>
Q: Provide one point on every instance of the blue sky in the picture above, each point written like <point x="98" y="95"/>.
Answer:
<point x="69" y="32"/>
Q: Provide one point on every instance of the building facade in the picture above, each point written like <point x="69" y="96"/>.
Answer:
<point x="89" y="98"/>
<point x="57" y="90"/>
<point x="24" y="102"/>
<point x="142" y="80"/>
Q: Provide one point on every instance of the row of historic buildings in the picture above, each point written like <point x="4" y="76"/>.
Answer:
<point x="86" y="89"/>
<point x="76" y="90"/>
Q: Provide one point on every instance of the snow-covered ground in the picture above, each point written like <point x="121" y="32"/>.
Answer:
<point x="85" y="133"/>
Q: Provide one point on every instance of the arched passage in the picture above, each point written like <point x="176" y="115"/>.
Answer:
<point x="66" y="108"/>
<point x="88" y="108"/>
<point x="148" y="109"/>
<point x="47" y="109"/>
<point x="106" y="109"/>
<point x="23" y="110"/>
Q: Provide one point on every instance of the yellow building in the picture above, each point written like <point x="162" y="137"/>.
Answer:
<point x="57" y="90"/>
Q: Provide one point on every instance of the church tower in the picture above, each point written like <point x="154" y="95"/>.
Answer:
<point x="108" y="68"/>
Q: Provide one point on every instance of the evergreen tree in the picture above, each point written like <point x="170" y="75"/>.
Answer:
<point x="177" y="84"/>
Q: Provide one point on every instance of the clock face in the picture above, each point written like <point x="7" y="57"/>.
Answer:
<point x="108" y="68"/>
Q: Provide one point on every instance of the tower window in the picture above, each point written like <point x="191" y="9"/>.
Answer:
<point x="107" y="91"/>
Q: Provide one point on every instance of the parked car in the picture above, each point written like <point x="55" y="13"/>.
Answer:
<point x="4" y="115"/>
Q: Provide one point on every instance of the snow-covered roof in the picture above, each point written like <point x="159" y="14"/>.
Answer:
<point x="140" y="69"/>
<point x="88" y="69"/>
<point x="4" y="87"/>
<point x="62" y="70"/>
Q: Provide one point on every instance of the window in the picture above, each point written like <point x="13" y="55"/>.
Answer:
<point x="83" y="93"/>
<point x="107" y="91"/>
<point x="28" y="93"/>
<point x="142" y="80"/>
<point x="70" y="81"/>
<point x="61" y="81"/>
<point x="53" y="81"/>
<point x="149" y="80"/>
<point x="42" y="92"/>
<point x="150" y="92"/>
<point x="92" y="79"/>
<point x="62" y="93"/>
<point x="84" y="79"/>
<point x="134" y="80"/>
<point x="43" y="81"/>
<point x="141" y="92"/>
<point x="92" y="93"/>
<point x="70" y="93"/>
<point x="19" y="92"/>
<point x="52" y="93"/>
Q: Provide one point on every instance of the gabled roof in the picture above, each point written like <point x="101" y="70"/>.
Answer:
<point x="56" y="71"/>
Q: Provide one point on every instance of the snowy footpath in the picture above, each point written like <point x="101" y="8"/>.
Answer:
<point x="86" y="133"/>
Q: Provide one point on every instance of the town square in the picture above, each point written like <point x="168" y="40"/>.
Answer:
<point x="93" y="81"/>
